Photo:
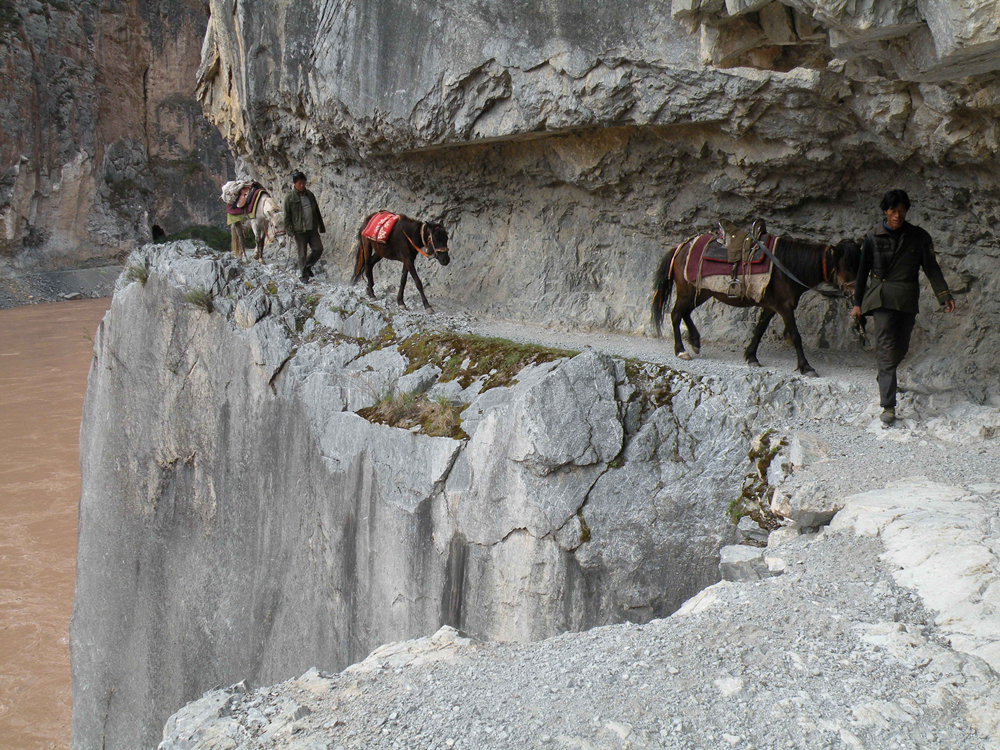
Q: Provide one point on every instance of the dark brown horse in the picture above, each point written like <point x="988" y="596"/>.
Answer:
<point x="810" y="263"/>
<point x="407" y="238"/>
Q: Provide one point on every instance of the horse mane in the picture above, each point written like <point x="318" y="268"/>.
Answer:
<point x="850" y="254"/>
<point x="803" y="258"/>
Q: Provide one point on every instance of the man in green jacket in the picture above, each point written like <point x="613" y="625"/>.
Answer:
<point x="893" y="254"/>
<point x="304" y="222"/>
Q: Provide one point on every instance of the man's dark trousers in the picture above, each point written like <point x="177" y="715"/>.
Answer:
<point x="312" y="241"/>
<point x="892" y="341"/>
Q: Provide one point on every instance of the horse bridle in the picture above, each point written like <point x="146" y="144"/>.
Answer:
<point x="423" y="240"/>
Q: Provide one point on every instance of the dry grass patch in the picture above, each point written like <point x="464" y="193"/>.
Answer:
<point x="409" y="410"/>
<point x="465" y="357"/>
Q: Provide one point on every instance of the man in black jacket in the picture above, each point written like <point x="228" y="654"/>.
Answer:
<point x="893" y="254"/>
<point x="304" y="223"/>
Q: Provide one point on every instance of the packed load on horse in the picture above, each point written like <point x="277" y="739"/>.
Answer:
<point x="396" y="237"/>
<point x="247" y="200"/>
<point x="745" y="269"/>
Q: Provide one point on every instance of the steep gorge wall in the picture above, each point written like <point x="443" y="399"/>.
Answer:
<point x="569" y="146"/>
<point x="101" y="137"/>
<point x="239" y="520"/>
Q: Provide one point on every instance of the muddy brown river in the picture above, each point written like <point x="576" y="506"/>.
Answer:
<point x="45" y="353"/>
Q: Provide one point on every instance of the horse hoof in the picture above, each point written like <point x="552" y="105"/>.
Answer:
<point x="683" y="355"/>
<point x="753" y="363"/>
<point x="695" y="349"/>
<point x="810" y="374"/>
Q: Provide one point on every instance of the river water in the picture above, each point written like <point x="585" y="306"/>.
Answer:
<point x="45" y="353"/>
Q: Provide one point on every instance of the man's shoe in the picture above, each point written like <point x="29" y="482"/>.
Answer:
<point x="888" y="415"/>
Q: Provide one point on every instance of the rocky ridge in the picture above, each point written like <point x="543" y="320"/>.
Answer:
<point x="542" y="515"/>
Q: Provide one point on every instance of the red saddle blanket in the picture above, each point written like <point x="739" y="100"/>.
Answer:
<point x="699" y="267"/>
<point x="379" y="226"/>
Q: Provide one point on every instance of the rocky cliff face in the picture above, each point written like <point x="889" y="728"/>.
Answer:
<point x="568" y="147"/>
<point x="101" y="137"/>
<point x="240" y="520"/>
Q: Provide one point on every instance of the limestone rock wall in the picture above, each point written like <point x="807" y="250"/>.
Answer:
<point x="568" y="147"/>
<point x="101" y="137"/>
<point x="239" y="520"/>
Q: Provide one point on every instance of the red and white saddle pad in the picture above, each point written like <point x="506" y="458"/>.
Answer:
<point x="379" y="226"/>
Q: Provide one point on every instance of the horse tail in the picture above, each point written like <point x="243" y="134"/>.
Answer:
<point x="662" y="286"/>
<point x="359" y="264"/>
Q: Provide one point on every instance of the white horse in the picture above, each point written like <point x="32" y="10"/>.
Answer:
<point x="267" y="223"/>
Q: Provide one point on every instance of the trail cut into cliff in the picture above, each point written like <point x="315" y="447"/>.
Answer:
<point x="279" y="477"/>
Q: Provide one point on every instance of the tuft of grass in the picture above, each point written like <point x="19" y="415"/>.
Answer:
<point x="215" y="238"/>
<point x="200" y="297"/>
<point x="465" y="357"/>
<point x="306" y="311"/>
<point x="755" y="496"/>
<point x="137" y="273"/>
<point x="408" y="410"/>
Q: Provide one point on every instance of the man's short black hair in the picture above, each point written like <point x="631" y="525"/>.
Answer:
<point x="301" y="176"/>
<point x="895" y="198"/>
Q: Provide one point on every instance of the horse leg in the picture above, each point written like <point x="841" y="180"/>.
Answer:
<point x="788" y="315"/>
<point x="694" y="337"/>
<point x="370" y="260"/>
<point x="259" y="235"/>
<point x="416" y="280"/>
<point x="236" y="240"/>
<point x="750" y="355"/>
<point x="402" y="286"/>
<point x="677" y="313"/>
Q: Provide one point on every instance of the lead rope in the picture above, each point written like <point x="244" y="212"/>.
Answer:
<point x="793" y="277"/>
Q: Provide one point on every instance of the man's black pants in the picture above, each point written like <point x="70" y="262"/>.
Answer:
<point x="312" y="241"/>
<point x="892" y="341"/>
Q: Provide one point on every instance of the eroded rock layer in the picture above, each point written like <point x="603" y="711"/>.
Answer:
<point x="568" y="147"/>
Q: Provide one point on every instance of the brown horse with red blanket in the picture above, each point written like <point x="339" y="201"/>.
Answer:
<point x="801" y="266"/>
<point x="397" y="237"/>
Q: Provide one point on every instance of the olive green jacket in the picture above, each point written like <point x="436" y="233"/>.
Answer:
<point x="894" y="268"/>
<point x="292" y="208"/>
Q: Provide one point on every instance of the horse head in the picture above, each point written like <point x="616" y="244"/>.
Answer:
<point x="846" y="259"/>
<point x="435" y="238"/>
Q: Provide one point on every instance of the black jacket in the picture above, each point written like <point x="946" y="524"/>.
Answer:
<point x="894" y="267"/>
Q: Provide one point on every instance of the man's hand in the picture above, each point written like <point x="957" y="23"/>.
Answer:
<point x="949" y="306"/>
<point x="856" y="311"/>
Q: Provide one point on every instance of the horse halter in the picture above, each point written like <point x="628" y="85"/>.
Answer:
<point x="426" y="238"/>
